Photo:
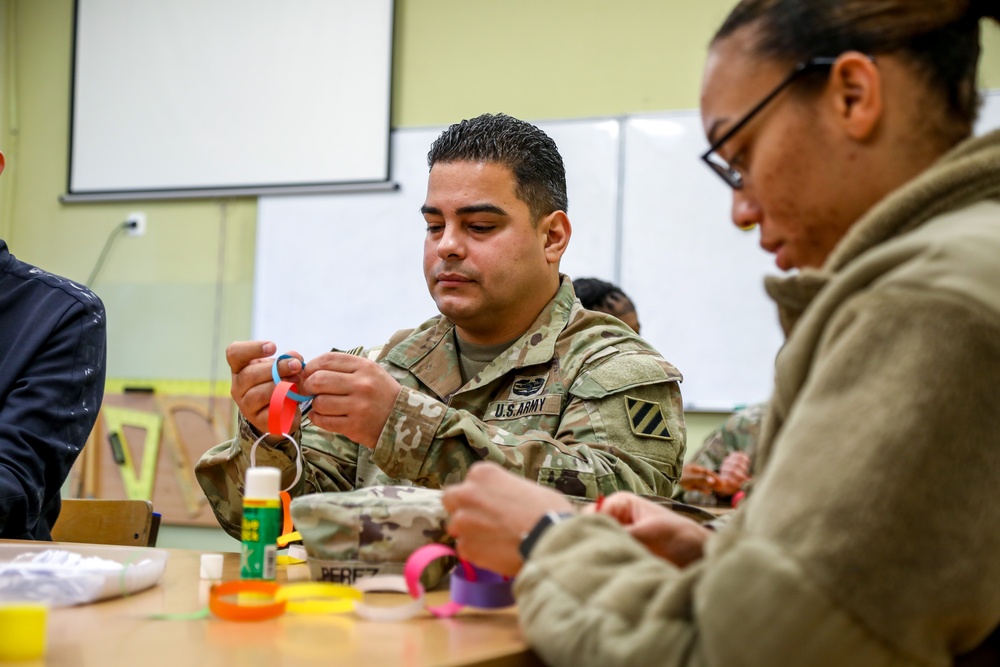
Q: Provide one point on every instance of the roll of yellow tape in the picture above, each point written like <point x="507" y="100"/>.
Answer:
<point x="22" y="630"/>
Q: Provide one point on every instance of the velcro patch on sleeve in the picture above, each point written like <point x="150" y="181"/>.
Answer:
<point x="646" y="419"/>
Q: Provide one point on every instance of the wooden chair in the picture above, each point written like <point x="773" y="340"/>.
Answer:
<point x="125" y="522"/>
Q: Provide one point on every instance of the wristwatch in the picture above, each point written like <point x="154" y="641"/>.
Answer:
<point x="531" y="538"/>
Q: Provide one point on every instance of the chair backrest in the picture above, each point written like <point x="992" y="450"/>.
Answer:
<point x="124" y="522"/>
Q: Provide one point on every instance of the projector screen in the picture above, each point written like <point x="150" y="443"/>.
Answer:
<point x="229" y="97"/>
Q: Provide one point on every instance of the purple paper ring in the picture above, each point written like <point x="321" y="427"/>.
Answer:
<point x="487" y="590"/>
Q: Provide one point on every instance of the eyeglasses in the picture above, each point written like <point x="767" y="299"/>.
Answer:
<point x="731" y="175"/>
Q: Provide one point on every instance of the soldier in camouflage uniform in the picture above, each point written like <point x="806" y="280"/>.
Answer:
<point x="722" y="465"/>
<point x="514" y="370"/>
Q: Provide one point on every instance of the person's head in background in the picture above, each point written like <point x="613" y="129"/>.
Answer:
<point x="874" y="92"/>
<point x="605" y="297"/>
<point x="496" y="225"/>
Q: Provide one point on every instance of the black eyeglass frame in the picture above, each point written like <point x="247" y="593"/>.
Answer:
<point x="727" y="173"/>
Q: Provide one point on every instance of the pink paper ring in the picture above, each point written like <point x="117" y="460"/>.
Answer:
<point x="418" y="562"/>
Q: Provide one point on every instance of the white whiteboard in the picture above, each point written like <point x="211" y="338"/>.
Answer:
<point x="240" y="94"/>
<point x="695" y="279"/>
<point x="345" y="270"/>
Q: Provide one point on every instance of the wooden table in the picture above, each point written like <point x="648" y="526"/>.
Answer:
<point x="117" y="632"/>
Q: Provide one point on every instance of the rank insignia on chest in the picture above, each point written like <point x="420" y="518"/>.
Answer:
<point x="646" y="419"/>
<point x="527" y="386"/>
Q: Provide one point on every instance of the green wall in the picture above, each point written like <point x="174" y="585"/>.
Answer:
<point x="537" y="59"/>
<point x="160" y="289"/>
<point x="177" y="295"/>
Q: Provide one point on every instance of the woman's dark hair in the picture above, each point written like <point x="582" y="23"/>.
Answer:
<point x="940" y="37"/>
<point x="596" y="294"/>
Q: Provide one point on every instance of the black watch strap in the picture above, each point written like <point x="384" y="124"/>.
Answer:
<point x="548" y="520"/>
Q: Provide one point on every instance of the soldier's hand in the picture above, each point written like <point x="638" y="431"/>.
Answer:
<point x="698" y="478"/>
<point x="733" y="473"/>
<point x="250" y="363"/>
<point x="491" y="511"/>
<point x="352" y="396"/>
<point x="665" y="533"/>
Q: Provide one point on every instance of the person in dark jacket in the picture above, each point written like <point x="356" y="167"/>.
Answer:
<point x="52" y="366"/>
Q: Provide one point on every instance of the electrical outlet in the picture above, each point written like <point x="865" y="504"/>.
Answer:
<point x="138" y="224"/>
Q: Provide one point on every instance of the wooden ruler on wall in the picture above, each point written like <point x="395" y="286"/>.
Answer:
<point x="161" y="437"/>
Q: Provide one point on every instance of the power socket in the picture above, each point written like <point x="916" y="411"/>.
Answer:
<point x="137" y="224"/>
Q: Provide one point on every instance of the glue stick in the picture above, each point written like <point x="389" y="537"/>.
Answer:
<point x="261" y="523"/>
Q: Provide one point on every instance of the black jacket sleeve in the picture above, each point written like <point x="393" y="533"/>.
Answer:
<point x="52" y="369"/>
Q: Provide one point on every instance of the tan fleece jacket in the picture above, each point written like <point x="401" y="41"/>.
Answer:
<point x="872" y="535"/>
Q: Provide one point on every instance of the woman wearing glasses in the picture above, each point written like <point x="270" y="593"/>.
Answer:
<point x="872" y="534"/>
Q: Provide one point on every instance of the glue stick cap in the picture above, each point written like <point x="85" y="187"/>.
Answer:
<point x="262" y="482"/>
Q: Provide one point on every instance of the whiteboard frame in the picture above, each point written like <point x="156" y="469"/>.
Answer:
<point x="117" y="159"/>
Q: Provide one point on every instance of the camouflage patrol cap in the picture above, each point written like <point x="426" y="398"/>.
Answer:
<point x="370" y="531"/>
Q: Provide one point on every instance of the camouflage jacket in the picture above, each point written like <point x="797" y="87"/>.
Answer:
<point x="737" y="434"/>
<point x="578" y="402"/>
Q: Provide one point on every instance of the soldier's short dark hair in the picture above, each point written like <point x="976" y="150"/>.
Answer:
<point x="530" y="154"/>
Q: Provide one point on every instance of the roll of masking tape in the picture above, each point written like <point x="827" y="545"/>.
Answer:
<point x="22" y="630"/>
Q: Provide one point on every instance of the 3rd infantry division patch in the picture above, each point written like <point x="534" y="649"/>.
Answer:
<point x="646" y="419"/>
